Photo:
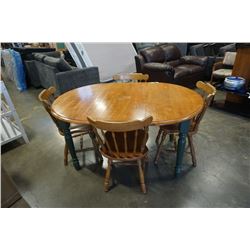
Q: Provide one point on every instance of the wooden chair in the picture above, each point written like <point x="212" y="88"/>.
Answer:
<point x="131" y="77"/>
<point x="208" y="92"/>
<point x="47" y="97"/>
<point x="224" y="68"/>
<point x="123" y="142"/>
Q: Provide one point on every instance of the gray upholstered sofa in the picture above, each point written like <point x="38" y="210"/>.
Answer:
<point x="50" y="69"/>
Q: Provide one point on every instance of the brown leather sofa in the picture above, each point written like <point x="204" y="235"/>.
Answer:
<point x="163" y="63"/>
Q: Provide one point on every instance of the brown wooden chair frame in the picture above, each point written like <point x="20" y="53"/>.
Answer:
<point x="47" y="96"/>
<point x="133" y="77"/>
<point x="123" y="142"/>
<point x="208" y="95"/>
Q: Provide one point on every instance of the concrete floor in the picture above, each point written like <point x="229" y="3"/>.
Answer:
<point x="221" y="179"/>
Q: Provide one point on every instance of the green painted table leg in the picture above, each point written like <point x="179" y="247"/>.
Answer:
<point x="171" y="137"/>
<point x="184" y="127"/>
<point x="70" y="144"/>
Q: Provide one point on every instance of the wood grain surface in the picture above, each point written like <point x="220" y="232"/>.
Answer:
<point x="121" y="102"/>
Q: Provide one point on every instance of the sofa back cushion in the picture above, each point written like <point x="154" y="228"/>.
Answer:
<point x="153" y="54"/>
<point x="58" y="63"/>
<point x="229" y="58"/>
<point x="38" y="56"/>
<point x="56" y="54"/>
<point x="171" y="52"/>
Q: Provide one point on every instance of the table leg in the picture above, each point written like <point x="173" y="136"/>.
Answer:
<point x="70" y="144"/>
<point x="184" y="127"/>
<point x="171" y="137"/>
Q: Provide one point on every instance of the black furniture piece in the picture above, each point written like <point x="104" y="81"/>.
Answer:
<point x="214" y="51"/>
<point x="50" y="70"/>
<point x="26" y="54"/>
<point x="164" y="63"/>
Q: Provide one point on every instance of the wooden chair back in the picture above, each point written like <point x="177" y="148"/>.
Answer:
<point x="208" y="93"/>
<point x="122" y="139"/>
<point x="47" y="96"/>
<point x="131" y="77"/>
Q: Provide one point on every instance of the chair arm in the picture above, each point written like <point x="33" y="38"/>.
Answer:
<point x="158" y="67"/>
<point x="198" y="60"/>
<point x="76" y="78"/>
<point x="217" y="65"/>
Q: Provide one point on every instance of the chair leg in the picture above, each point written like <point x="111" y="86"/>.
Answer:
<point x="163" y="137"/>
<point x="141" y="175"/>
<point x="81" y="142"/>
<point x="96" y="147"/>
<point x="211" y="79"/>
<point x="107" y="176"/>
<point x="175" y="143"/>
<point x="158" y="136"/>
<point x="66" y="151"/>
<point x="190" y="141"/>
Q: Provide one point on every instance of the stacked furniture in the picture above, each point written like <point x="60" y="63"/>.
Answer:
<point x="26" y="55"/>
<point x="164" y="63"/>
<point x="214" y="51"/>
<point x="48" y="70"/>
<point x="241" y="100"/>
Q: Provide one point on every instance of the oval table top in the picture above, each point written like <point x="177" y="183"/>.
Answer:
<point x="120" y="102"/>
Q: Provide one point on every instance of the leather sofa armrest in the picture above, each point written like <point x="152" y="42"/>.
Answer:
<point x="139" y="62"/>
<point x="198" y="60"/>
<point x="76" y="78"/>
<point x="158" y="67"/>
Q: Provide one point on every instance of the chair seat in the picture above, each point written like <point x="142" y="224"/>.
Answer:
<point x="222" y="73"/>
<point x="121" y="145"/>
<point x="190" y="68"/>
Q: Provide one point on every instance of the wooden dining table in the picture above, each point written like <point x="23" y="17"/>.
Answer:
<point x="122" y="102"/>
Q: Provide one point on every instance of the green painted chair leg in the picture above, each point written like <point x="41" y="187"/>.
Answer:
<point x="184" y="128"/>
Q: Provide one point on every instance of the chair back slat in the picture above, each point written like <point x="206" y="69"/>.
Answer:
<point x="99" y="139"/>
<point x="145" y="138"/>
<point x="209" y="92"/>
<point x="135" y="142"/>
<point x="115" y="143"/>
<point x="122" y="139"/>
<point x="106" y="142"/>
<point x="131" y="77"/>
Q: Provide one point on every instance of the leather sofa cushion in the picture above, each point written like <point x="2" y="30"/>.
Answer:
<point x="58" y="63"/>
<point x="189" y="68"/>
<point x="180" y="72"/>
<point x="171" y="52"/>
<point x="158" y="67"/>
<point x="174" y="63"/>
<point x="197" y="60"/>
<point x="154" y="54"/>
